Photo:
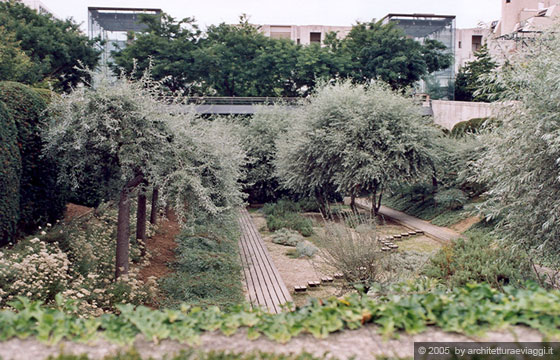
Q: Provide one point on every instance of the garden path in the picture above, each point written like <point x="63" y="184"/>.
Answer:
<point x="265" y="287"/>
<point x="439" y="233"/>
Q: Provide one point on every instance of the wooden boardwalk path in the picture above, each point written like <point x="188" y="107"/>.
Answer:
<point x="435" y="232"/>
<point x="264" y="285"/>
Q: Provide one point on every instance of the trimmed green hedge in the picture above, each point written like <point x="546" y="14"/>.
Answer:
<point x="471" y="126"/>
<point x="41" y="199"/>
<point x="10" y="173"/>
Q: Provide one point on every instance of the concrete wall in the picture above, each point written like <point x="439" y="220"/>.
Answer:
<point x="449" y="113"/>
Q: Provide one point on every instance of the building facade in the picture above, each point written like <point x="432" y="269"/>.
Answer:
<point x="304" y="34"/>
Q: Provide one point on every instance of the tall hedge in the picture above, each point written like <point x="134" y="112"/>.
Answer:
<point x="40" y="198"/>
<point x="10" y="174"/>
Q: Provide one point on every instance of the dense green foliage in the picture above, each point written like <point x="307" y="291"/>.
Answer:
<point x="480" y="258"/>
<point x="472" y="126"/>
<point x="10" y="173"/>
<point x="521" y="161"/>
<point x="383" y="52"/>
<point x="15" y="65"/>
<point x="259" y="142"/>
<point x="470" y="82"/>
<point x="238" y="60"/>
<point x="53" y="48"/>
<point x="354" y="140"/>
<point x="285" y="214"/>
<point x="207" y="266"/>
<point x="471" y="310"/>
<point x="41" y="198"/>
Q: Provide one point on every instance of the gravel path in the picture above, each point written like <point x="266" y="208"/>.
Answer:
<point x="362" y="344"/>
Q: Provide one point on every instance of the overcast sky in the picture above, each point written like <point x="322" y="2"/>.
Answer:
<point x="292" y="12"/>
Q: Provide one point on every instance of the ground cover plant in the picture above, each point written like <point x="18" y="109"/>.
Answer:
<point x="284" y="214"/>
<point x="411" y="307"/>
<point x="196" y="355"/>
<point x="480" y="258"/>
<point x="207" y="268"/>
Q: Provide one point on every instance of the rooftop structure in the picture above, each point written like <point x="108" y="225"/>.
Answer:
<point x="113" y="25"/>
<point x="524" y="18"/>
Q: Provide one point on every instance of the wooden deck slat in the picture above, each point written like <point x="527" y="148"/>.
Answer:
<point x="268" y="283"/>
<point x="259" y="271"/>
<point x="281" y="290"/>
<point x="264" y="285"/>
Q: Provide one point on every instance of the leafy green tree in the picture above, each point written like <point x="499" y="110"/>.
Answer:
<point x="384" y="52"/>
<point x="259" y="141"/>
<point x="167" y="48"/>
<point x="15" y="65"/>
<point x="356" y="141"/>
<point x="238" y="60"/>
<point x="521" y="163"/>
<point x="55" y="47"/>
<point x="470" y="77"/>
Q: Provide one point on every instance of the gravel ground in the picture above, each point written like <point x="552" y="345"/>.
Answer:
<point x="362" y="344"/>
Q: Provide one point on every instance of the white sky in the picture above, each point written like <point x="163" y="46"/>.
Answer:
<point x="292" y="12"/>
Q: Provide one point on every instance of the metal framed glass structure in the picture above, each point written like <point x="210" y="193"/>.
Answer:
<point x="112" y="25"/>
<point x="437" y="27"/>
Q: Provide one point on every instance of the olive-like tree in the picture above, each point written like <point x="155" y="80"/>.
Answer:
<point x="119" y="126"/>
<point x="521" y="164"/>
<point x="116" y="127"/>
<point x="356" y="140"/>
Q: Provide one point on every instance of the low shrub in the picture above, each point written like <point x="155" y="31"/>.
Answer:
<point x="451" y="199"/>
<point x="287" y="237"/>
<point x="207" y="269"/>
<point x="285" y="214"/>
<point x="480" y="258"/>
<point x="471" y="126"/>
<point x="306" y="249"/>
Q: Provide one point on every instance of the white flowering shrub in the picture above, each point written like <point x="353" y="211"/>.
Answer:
<point x="78" y="261"/>
<point x="33" y="269"/>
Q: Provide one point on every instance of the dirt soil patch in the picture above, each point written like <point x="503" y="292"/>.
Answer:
<point x="162" y="248"/>
<point x="75" y="211"/>
<point x="465" y="224"/>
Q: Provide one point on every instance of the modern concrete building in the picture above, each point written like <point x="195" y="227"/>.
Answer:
<point x="430" y="26"/>
<point x="113" y="25"/>
<point x="304" y="34"/>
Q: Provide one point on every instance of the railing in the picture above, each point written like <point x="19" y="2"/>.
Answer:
<point x="222" y="100"/>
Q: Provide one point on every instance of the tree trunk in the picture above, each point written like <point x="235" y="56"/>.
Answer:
<point x="141" y="222"/>
<point x="353" y="202"/>
<point x="123" y="227"/>
<point x="123" y="234"/>
<point x="155" y="199"/>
